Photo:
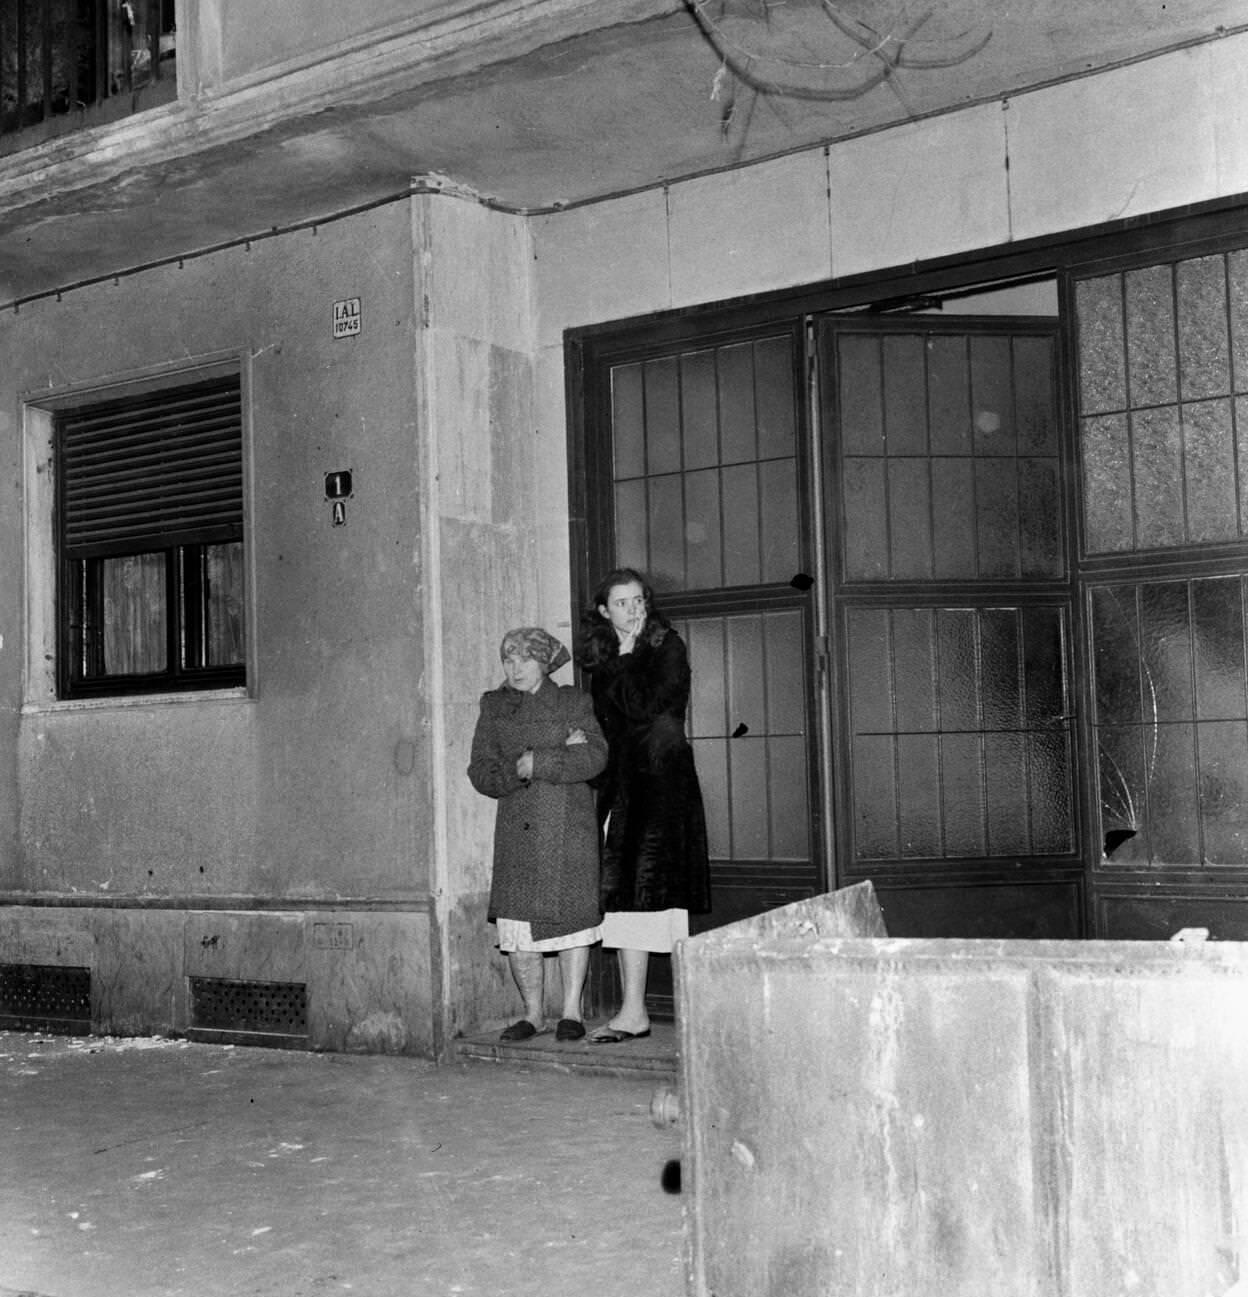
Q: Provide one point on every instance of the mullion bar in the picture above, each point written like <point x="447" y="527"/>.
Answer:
<point x="1012" y="378"/>
<point x="894" y="736"/>
<point x="1026" y="723"/>
<point x="1181" y="400"/>
<point x="1130" y="408"/>
<point x="719" y="465"/>
<point x="758" y="471"/>
<point x="1232" y="399"/>
<point x="974" y="459"/>
<point x="1189" y="592"/>
<point x="981" y="743"/>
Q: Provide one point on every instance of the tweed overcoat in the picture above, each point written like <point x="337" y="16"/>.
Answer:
<point x="655" y="852"/>
<point x="546" y="850"/>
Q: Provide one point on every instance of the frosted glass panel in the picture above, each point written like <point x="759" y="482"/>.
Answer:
<point x="1157" y="450"/>
<point x="1204" y="341"/>
<point x="1209" y="461"/>
<point x="1108" y="509"/>
<point x="1160" y="451"/>
<point x="1102" y="344"/>
<point x="1152" y="360"/>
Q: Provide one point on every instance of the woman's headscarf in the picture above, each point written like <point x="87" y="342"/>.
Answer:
<point x="533" y="642"/>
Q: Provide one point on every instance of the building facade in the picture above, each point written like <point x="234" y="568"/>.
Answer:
<point x="930" y="436"/>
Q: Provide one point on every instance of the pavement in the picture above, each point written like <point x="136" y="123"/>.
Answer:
<point x="149" y="1167"/>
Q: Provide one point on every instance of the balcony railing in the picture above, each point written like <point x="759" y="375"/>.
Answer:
<point x="65" y="64"/>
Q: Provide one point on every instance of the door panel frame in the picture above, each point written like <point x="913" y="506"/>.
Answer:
<point x="990" y="874"/>
<point x="1134" y="900"/>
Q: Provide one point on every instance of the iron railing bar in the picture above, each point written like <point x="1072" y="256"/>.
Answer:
<point x="73" y="49"/>
<point x="4" y="28"/>
<point x="101" y="52"/>
<point x="153" y="37"/>
<point x="21" y="63"/>
<point x="45" y="106"/>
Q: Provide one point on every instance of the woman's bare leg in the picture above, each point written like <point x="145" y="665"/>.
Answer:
<point x="632" y="1016"/>
<point x="526" y="970"/>
<point x="573" y="966"/>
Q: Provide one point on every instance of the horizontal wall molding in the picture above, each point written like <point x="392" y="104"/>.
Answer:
<point x="267" y="904"/>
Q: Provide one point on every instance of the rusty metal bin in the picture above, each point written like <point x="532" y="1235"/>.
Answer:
<point x="880" y="1117"/>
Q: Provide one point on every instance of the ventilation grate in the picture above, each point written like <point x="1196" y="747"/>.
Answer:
<point x="45" y="997"/>
<point x="259" y="1009"/>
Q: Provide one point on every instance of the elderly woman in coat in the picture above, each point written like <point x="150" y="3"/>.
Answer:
<point x="535" y="746"/>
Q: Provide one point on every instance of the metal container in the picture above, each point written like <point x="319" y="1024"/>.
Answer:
<point x="878" y="1117"/>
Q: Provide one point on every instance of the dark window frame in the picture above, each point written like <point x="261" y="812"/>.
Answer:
<point x="186" y="501"/>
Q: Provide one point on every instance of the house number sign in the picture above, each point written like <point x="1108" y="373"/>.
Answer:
<point x="347" y="318"/>
<point x="338" y="488"/>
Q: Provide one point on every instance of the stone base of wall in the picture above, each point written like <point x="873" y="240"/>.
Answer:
<point x="352" y="981"/>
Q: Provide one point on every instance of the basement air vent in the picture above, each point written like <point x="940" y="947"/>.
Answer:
<point x="224" y="1011"/>
<point x="45" y="997"/>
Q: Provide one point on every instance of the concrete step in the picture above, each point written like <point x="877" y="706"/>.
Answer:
<point x="654" y="1055"/>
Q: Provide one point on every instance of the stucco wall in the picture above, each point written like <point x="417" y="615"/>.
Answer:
<point x="316" y="784"/>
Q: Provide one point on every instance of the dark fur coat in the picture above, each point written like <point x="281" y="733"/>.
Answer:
<point x="655" y="853"/>
<point x="545" y="832"/>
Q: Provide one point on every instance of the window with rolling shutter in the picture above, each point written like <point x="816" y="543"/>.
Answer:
<point x="150" y="531"/>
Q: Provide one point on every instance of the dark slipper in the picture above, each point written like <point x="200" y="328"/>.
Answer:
<point x="615" y="1036"/>
<point x="521" y="1030"/>
<point x="569" y="1029"/>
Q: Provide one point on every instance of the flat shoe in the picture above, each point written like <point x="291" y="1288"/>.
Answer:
<point x="521" y="1030"/>
<point x="615" y="1036"/>
<point x="569" y="1029"/>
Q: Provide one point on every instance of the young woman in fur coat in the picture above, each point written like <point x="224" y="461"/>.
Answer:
<point x="654" y="867"/>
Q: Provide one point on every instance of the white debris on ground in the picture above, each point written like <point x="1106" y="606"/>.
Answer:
<point x="16" y="1045"/>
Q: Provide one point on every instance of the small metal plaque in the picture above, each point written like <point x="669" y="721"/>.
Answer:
<point x="347" y="318"/>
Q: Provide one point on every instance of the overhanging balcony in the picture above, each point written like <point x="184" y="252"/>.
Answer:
<point x="70" y="64"/>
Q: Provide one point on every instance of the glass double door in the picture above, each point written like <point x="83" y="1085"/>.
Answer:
<point x="859" y="527"/>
